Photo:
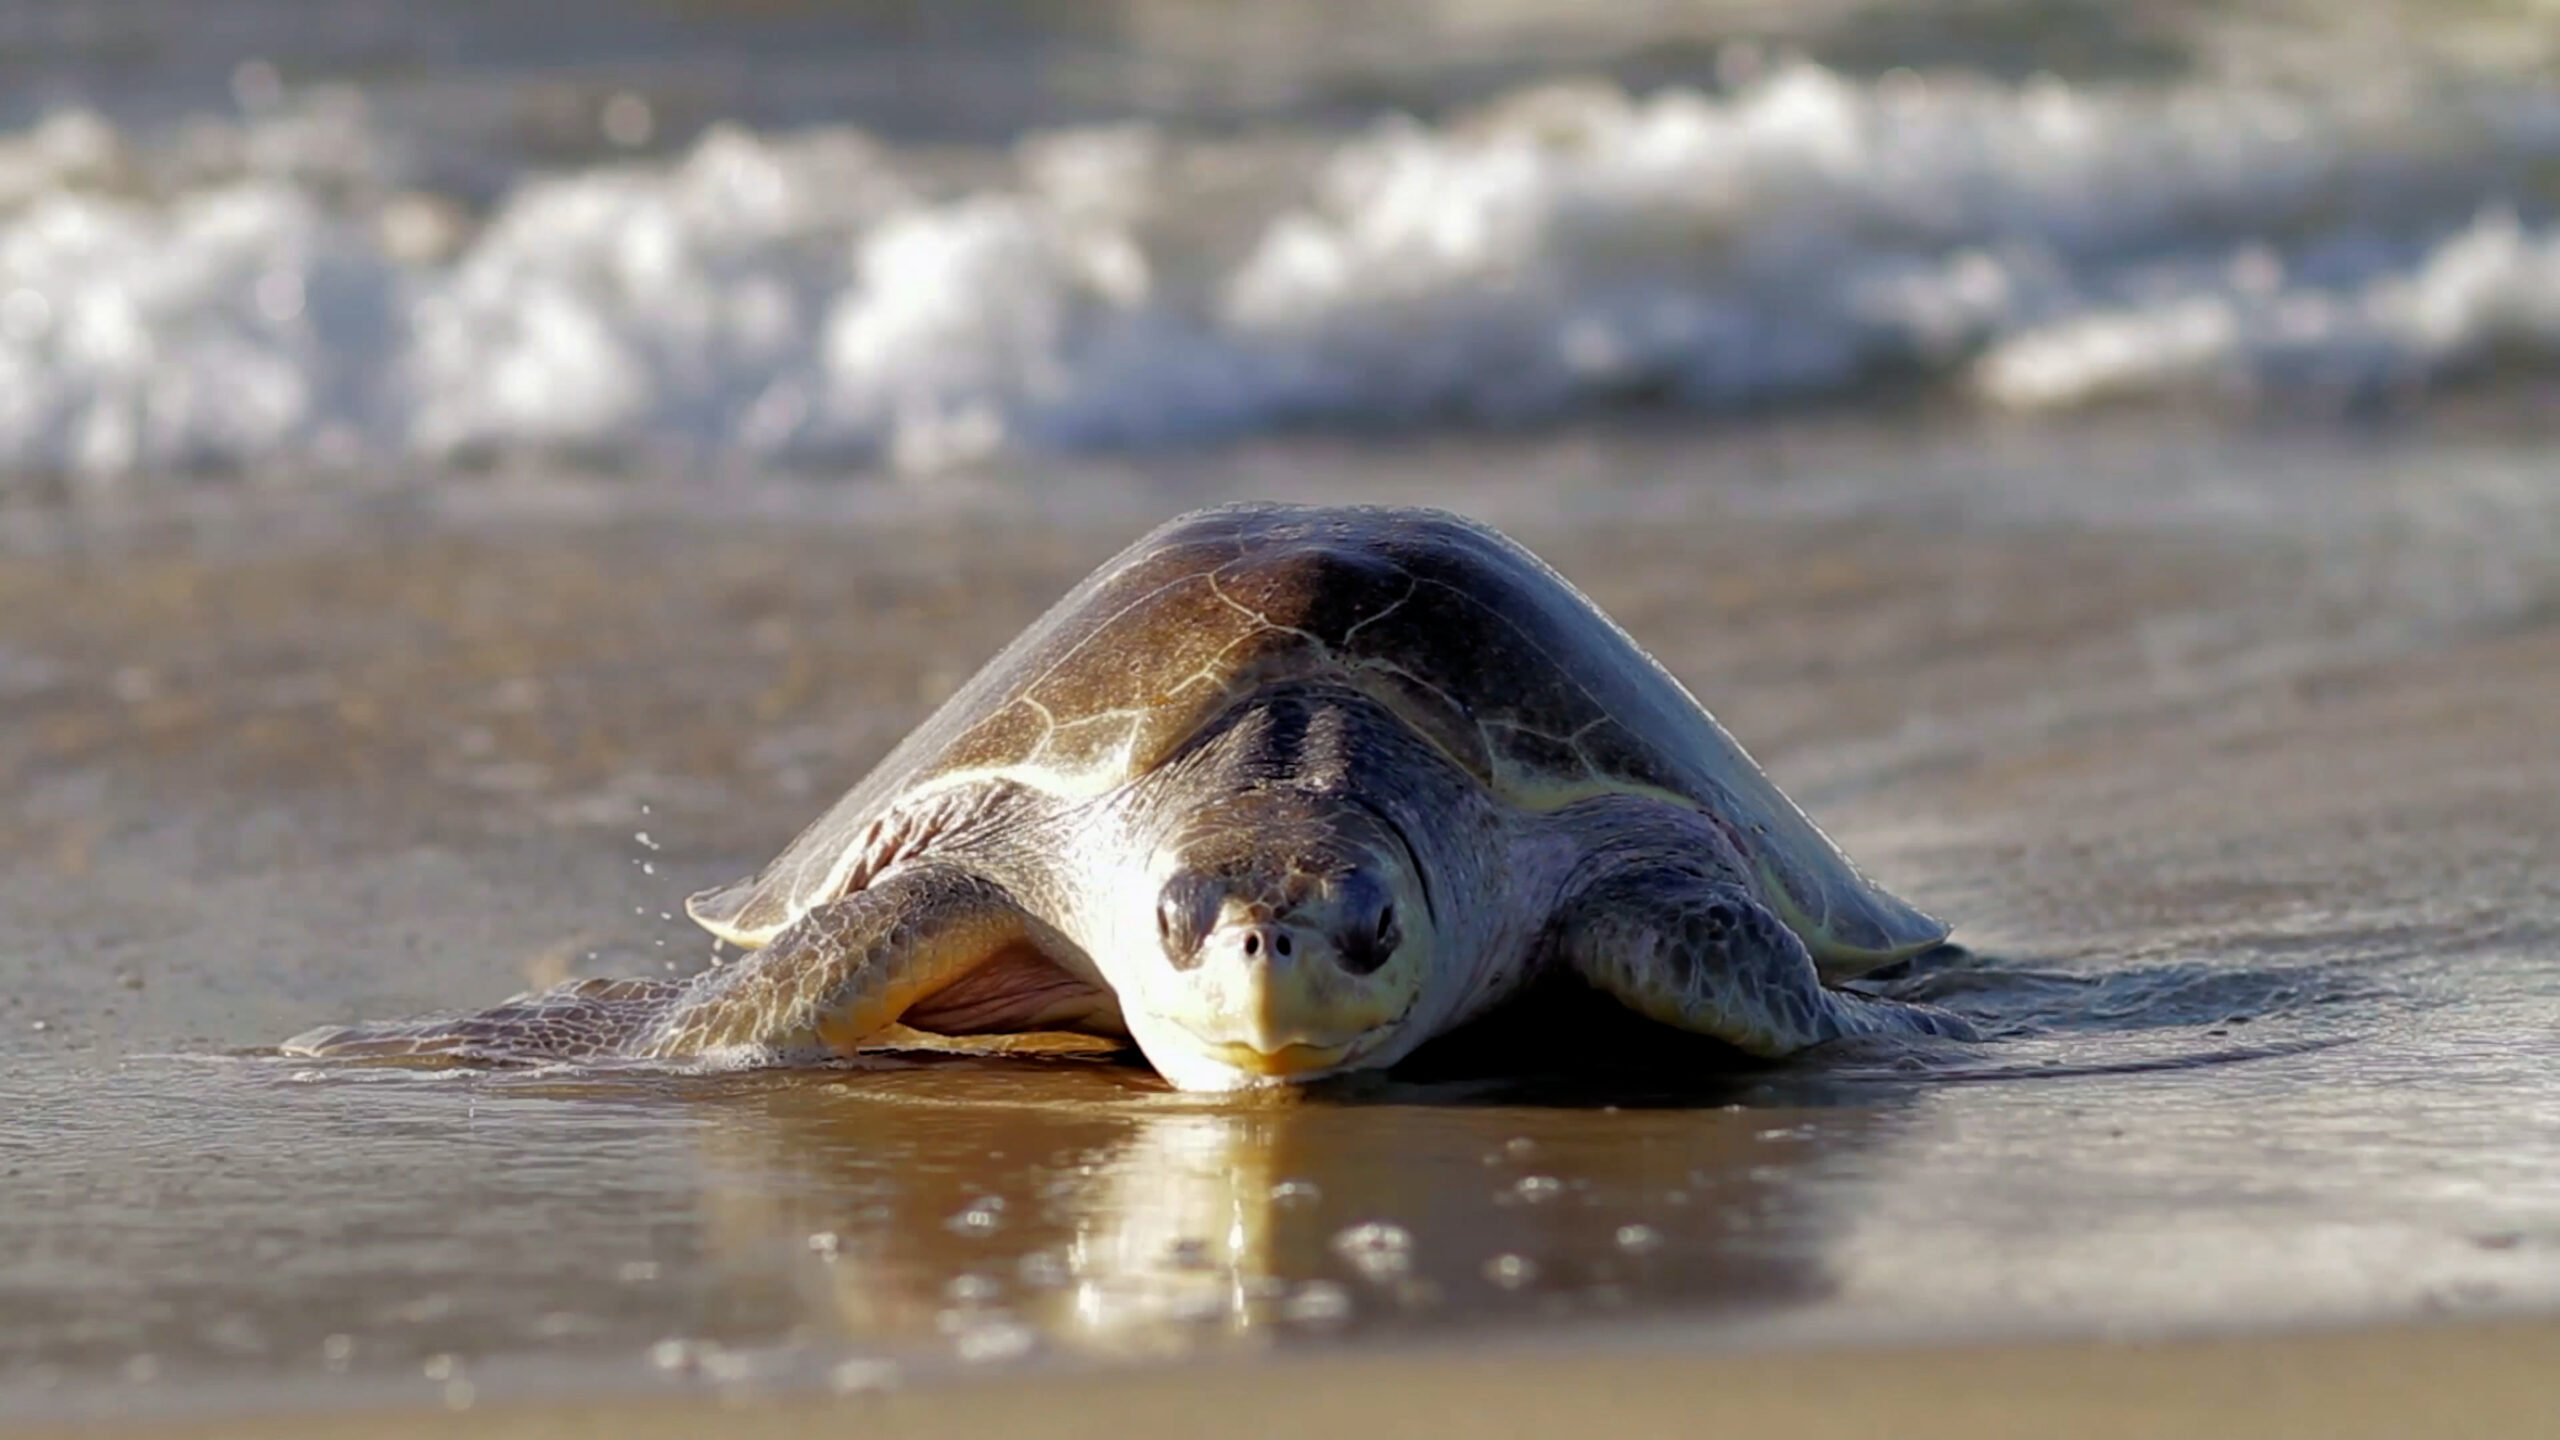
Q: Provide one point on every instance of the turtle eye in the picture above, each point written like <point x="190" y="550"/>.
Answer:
<point x="1372" y="946"/>
<point x="1178" y="921"/>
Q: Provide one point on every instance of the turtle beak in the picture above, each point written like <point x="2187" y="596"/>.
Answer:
<point x="1272" y="1000"/>
<point x="1293" y="1060"/>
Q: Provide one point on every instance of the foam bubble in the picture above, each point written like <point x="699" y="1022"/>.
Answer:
<point x="2493" y="286"/>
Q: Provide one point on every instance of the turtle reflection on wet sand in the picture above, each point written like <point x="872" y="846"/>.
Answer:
<point x="1278" y="793"/>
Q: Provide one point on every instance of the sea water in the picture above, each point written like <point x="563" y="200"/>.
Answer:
<point x="330" y="269"/>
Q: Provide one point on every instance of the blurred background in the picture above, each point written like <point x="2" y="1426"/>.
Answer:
<point x="312" y="242"/>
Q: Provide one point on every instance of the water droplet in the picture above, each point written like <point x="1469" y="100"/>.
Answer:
<point x="1520" y="1147"/>
<point x="1639" y="1239"/>
<point x="995" y="1341"/>
<point x="558" y="1324"/>
<point x="1379" y="1249"/>
<point x="338" y="1349"/>
<point x="1043" y="1270"/>
<point x="736" y="1367"/>
<point x="1318" y="1302"/>
<point x="442" y="1367"/>
<point x="856" y="1376"/>
<point x="637" y="1272"/>
<point x="1296" y="1192"/>
<point x="982" y="1216"/>
<point x="973" y="1289"/>
<point x="1537" y="1188"/>
<point x="676" y="1354"/>
<point x="1511" y="1271"/>
<point x="823" y="1243"/>
<point x="458" y="1394"/>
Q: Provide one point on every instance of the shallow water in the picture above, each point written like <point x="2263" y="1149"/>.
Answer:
<point x="2227" y="752"/>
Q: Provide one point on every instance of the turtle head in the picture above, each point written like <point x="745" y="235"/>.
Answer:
<point x="1295" y="939"/>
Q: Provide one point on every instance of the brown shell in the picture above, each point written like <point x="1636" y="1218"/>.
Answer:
<point x="1483" y="649"/>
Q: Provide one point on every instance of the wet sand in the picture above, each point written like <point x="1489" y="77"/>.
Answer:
<point x="2452" y="1381"/>
<point x="2247" y="825"/>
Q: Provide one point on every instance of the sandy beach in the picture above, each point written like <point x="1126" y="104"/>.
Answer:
<point x="2247" y="829"/>
<point x="2487" y="1381"/>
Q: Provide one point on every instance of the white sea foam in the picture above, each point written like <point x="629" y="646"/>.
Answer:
<point x="2491" y="289"/>
<point x="273" y="291"/>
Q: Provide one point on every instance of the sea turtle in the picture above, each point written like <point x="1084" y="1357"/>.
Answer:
<point x="1279" y="793"/>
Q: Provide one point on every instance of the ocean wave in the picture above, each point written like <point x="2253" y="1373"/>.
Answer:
<point x="277" y="291"/>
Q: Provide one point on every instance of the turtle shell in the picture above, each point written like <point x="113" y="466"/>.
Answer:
<point x="1474" y="641"/>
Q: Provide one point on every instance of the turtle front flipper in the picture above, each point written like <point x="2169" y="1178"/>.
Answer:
<point x="1702" y="954"/>
<point x="841" y="973"/>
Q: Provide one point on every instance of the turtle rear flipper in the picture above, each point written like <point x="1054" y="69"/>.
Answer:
<point x="828" y="982"/>
<point x="577" y="1021"/>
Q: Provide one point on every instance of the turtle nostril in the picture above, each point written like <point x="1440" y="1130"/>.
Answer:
<point x="1263" y="942"/>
